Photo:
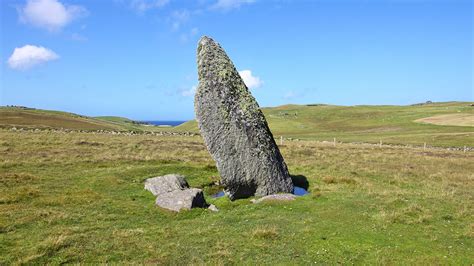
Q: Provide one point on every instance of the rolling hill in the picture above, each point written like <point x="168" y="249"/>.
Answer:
<point x="437" y="124"/>
<point x="23" y="117"/>
<point x="390" y="124"/>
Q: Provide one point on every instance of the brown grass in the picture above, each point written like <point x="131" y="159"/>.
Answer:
<point x="21" y="118"/>
<point x="269" y="232"/>
<point x="460" y="119"/>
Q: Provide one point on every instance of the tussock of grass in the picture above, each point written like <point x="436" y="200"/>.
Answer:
<point x="411" y="214"/>
<point x="268" y="232"/>
<point x="339" y="180"/>
<point x="22" y="194"/>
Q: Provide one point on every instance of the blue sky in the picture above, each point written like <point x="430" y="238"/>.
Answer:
<point x="136" y="58"/>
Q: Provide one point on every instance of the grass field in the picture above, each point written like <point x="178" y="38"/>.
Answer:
<point x="372" y="124"/>
<point x="79" y="198"/>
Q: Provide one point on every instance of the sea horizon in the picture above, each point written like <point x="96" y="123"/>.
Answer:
<point x="164" y="122"/>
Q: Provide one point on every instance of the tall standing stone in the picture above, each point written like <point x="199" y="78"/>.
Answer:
<point x="234" y="128"/>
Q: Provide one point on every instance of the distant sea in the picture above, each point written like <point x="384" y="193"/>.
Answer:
<point x="164" y="123"/>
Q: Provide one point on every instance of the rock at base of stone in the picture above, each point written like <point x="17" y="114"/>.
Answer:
<point x="173" y="193"/>
<point x="276" y="197"/>
<point x="165" y="184"/>
<point x="182" y="199"/>
<point x="213" y="208"/>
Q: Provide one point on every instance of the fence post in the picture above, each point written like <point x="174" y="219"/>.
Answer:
<point x="334" y="142"/>
<point x="424" y="146"/>
<point x="281" y="140"/>
<point x="380" y="144"/>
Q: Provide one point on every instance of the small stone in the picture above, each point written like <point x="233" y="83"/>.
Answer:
<point x="213" y="208"/>
<point x="275" y="197"/>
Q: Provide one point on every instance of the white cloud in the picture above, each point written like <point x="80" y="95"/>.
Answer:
<point x="78" y="37"/>
<point x="49" y="14"/>
<point x="178" y="18"/>
<point x="226" y="5"/>
<point x="194" y="31"/>
<point x="289" y="95"/>
<point x="184" y="37"/>
<point x="251" y="81"/>
<point x="29" y="56"/>
<point x="144" y="5"/>
<point x="190" y="92"/>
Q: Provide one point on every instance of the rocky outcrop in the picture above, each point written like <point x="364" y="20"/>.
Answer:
<point x="235" y="130"/>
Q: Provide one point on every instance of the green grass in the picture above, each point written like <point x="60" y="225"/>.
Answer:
<point x="79" y="198"/>
<point x="391" y="124"/>
<point x="116" y="119"/>
<point x="126" y="123"/>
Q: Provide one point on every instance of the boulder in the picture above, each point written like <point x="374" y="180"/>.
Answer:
<point x="173" y="193"/>
<point x="235" y="130"/>
<point x="164" y="184"/>
<point x="276" y="197"/>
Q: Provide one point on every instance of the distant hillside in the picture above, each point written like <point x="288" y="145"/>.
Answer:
<point x="391" y="124"/>
<point x="124" y="122"/>
<point x="37" y="118"/>
<point x="437" y="124"/>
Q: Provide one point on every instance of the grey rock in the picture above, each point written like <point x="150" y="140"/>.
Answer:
<point x="276" y="197"/>
<point x="164" y="184"/>
<point x="213" y="208"/>
<point x="235" y="130"/>
<point x="173" y="193"/>
<point x="182" y="199"/>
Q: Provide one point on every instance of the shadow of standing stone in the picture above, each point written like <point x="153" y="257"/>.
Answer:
<point x="300" y="181"/>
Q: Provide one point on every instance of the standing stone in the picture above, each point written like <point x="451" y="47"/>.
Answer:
<point x="235" y="130"/>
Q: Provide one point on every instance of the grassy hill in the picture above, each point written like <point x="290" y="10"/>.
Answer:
<point x="437" y="124"/>
<point x="124" y="122"/>
<point x="391" y="124"/>
<point x="37" y="118"/>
